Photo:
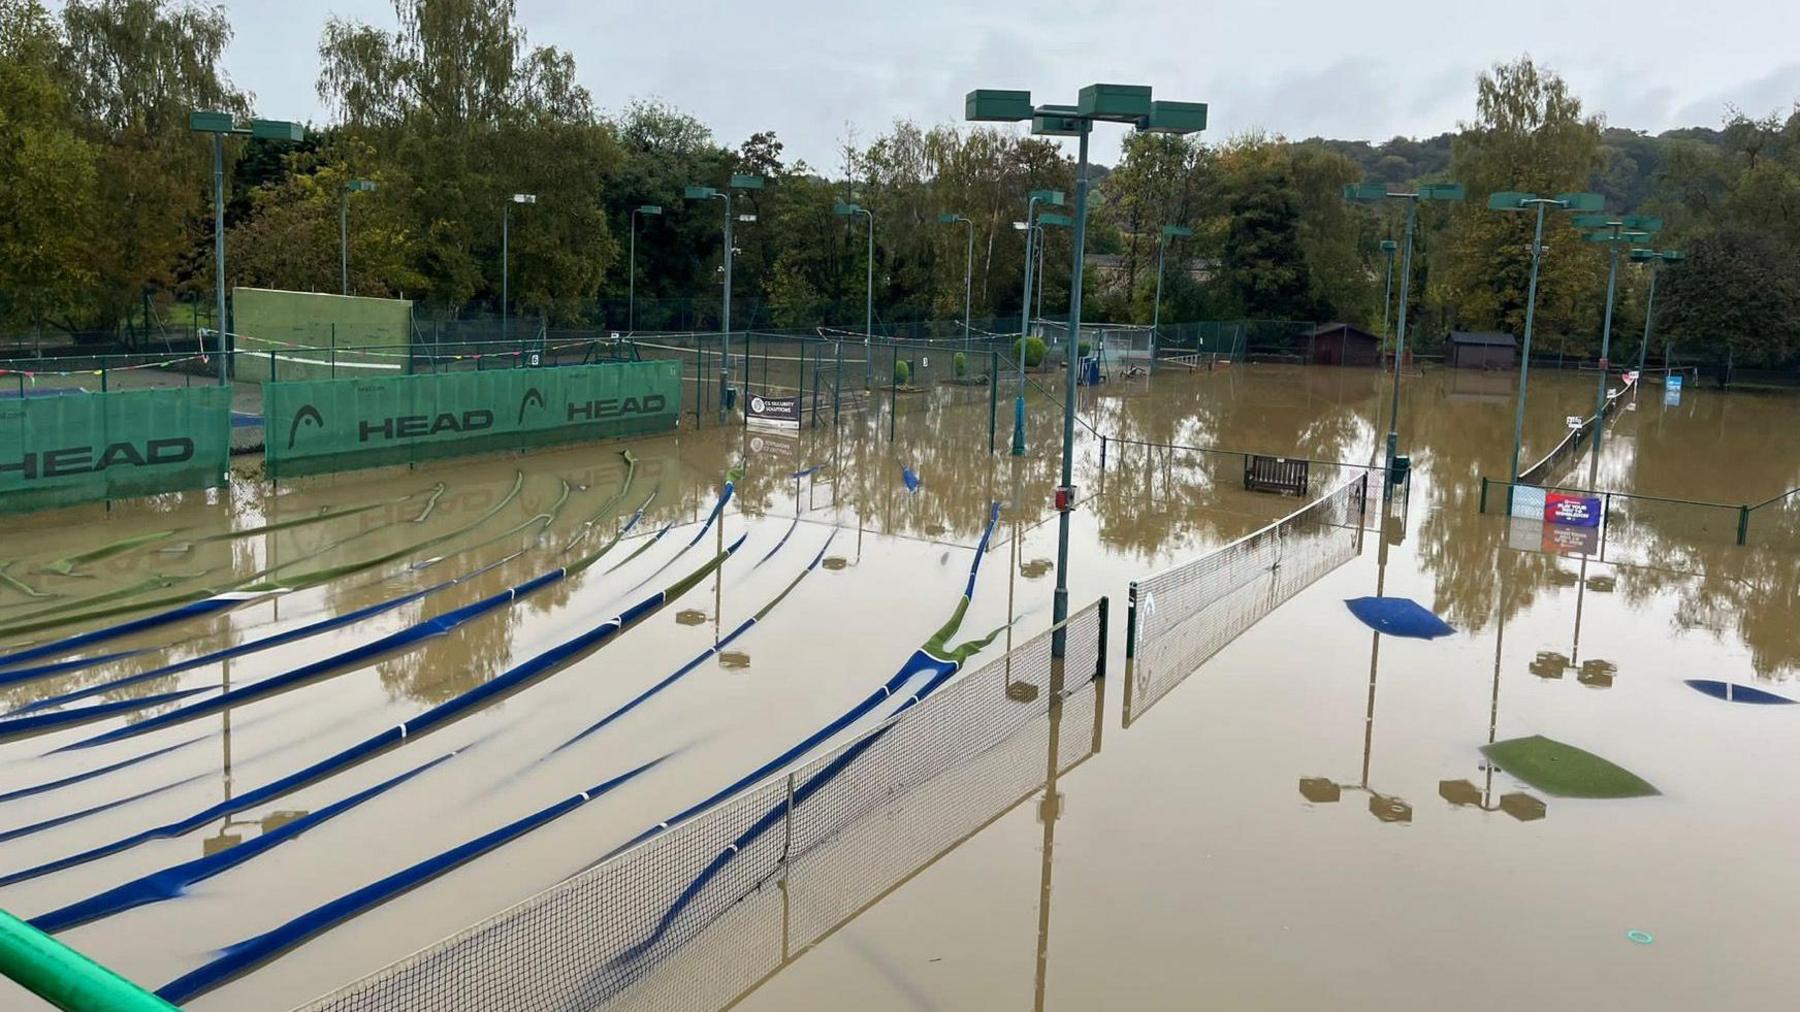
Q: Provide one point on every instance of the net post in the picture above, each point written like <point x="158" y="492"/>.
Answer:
<point x="1743" y="531"/>
<point x="1484" y="491"/>
<point x="1103" y="454"/>
<point x="787" y="821"/>
<point x="1100" y="653"/>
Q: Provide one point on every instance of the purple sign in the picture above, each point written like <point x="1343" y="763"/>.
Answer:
<point x="1571" y="510"/>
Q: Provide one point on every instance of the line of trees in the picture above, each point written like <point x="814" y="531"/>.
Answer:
<point x="105" y="218"/>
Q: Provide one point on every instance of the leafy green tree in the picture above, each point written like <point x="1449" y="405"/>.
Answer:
<point x="1263" y="265"/>
<point x="47" y="202"/>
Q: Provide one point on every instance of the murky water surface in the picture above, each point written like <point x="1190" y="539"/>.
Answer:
<point x="1306" y="822"/>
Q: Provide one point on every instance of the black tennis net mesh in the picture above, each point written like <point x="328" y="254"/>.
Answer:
<point x="698" y="914"/>
<point x="1185" y="614"/>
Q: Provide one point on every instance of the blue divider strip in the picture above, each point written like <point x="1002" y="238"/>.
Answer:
<point x="459" y="706"/>
<point x="172" y="881"/>
<point x="236" y="960"/>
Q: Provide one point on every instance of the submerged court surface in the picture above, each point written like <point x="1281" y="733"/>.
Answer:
<point x="1186" y="864"/>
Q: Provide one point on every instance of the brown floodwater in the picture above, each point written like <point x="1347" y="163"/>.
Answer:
<point x="1178" y="864"/>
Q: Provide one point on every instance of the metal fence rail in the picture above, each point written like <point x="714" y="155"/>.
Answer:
<point x="1642" y="527"/>
<point x="1181" y="616"/>
<point x="610" y="936"/>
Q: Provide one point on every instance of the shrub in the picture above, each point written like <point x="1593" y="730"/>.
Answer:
<point x="902" y="373"/>
<point x="959" y="365"/>
<point x="1033" y="351"/>
<point x="1084" y="349"/>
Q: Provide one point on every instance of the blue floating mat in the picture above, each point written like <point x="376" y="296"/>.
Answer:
<point x="1398" y="616"/>
<point x="911" y="478"/>
<point x="1731" y="692"/>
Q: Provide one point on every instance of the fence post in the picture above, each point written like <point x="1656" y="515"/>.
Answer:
<point x="1743" y="525"/>
<point x="993" y="395"/>
<point x="837" y="385"/>
<point x="1131" y="608"/>
<point x="800" y="397"/>
<point x="271" y="365"/>
<point x="893" y="387"/>
<point x="1484" y="488"/>
<point x="1103" y="455"/>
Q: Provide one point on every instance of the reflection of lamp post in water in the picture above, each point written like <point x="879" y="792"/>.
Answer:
<point x="1323" y="790"/>
<point x="1518" y="804"/>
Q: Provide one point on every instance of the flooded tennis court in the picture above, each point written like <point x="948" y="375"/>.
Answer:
<point x="1308" y="820"/>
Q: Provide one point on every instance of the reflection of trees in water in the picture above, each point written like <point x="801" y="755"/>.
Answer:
<point x="1663" y="551"/>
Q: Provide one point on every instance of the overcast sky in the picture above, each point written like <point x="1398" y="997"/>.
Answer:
<point x="806" y="68"/>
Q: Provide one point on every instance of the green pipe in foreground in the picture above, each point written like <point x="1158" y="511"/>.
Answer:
<point x="66" y="978"/>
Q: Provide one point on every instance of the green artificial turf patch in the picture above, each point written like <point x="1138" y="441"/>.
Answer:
<point x="1564" y="770"/>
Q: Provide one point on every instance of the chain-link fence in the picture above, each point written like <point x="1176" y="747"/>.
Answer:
<point x="1647" y="529"/>
<point x="1182" y="616"/>
<point x="784" y="860"/>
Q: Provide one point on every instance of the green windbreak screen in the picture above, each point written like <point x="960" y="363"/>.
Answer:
<point x="80" y="447"/>
<point x="316" y="426"/>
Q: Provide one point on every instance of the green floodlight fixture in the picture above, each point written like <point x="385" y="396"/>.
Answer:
<point x="741" y="181"/>
<point x="1115" y="103"/>
<point x="1442" y="191"/>
<point x="649" y="209"/>
<point x="1365" y="191"/>
<point x="698" y="192"/>
<point x="1388" y="246"/>
<point x="1175" y="118"/>
<point x="1176" y="231"/>
<point x="990" y="105"/>
<point x="1054" y="198"/>
<point x="844" y="210"/>
<point x="1056" y="220"/>
<point x="1058" y="121"/>
<point x="219" y="125"/>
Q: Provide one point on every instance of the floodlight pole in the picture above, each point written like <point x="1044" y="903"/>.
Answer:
<point x="344" y="238"/>
<point x="869" y="309"/>
<point x="1612" y="280"/>
<point x="1537" y="254"/>
<point x="218" y="153"/>
<point x="1059" y="603"/>
<point x="1393" y="439"/>
<point x="1649" y="315"/>
<point x="505" y="262"/>
<point x="725" y="315"/>
<point x="631" y="284"/>
<point x="1018" y="440"/>
<point x="1387" y="294"/>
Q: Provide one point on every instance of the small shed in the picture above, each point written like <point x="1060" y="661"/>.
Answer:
<point x="1471" y="349"/>
<point x="1342" y="344"/>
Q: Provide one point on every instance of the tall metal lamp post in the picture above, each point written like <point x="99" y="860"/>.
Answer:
<point x="1618" y="234"/>
<point x="843" y="210"/>
<point x="1168" y="234"/>
<point x="1033" y="228"/>
<point x="506" y="254"/>
<point x="1388" y="246"/>
<point x="1369" y="193"/>
<point x="968" y="272"/>
<point x="646" y="210"/>
<point x="739" y="181"/>
<point x="1511" y="201"/>
<point x="351" y="186"/>
<point x="1108" y="103"/>
<point x="220" y="124"/>
<point x="1655" y="258"/>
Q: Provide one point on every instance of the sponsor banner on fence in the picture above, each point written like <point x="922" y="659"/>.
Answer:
<point x="82" y="447"/>
<point x="315" y="426"/>
<point x="1571" y="510"/>
<point x="773" y="412"/>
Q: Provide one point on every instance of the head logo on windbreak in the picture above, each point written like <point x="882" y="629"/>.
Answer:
<point x="531" y="397"/>
<point x="306" y="412"/>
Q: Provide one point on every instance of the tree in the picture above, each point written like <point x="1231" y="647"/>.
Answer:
<point x="1530" y="135"/>
<point x="134" y="70"/>
<point x="47" y="204"/>
<point x="1262" y="264"/>
<point x="1736" y="298"/>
